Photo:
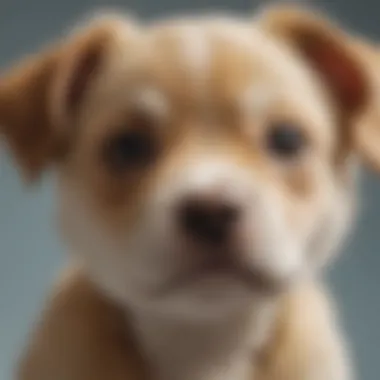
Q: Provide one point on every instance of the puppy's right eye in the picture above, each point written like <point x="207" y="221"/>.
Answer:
<point x="130" y="149"/>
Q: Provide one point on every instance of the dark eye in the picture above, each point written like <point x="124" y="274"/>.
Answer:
<point x="285" y="140"/>
<point x="130" y="149"/>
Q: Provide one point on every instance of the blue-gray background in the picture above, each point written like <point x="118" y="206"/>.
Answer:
<point x="30" y="251"/>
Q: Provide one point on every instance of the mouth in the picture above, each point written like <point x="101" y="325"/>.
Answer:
<point x="224" y="270"/>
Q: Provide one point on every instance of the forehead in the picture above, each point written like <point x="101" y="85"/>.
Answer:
<point x="220" y="62"/>
<point x="224" y="57"/>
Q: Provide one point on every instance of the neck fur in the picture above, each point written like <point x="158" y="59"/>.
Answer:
<point x="222" y="349"/>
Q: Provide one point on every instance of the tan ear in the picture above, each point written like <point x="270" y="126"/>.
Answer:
<point x="327" y="49"/>
<point x="367" y="134"/>
<point x="36" y="95"/>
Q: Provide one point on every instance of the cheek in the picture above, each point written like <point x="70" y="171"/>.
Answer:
<point x="113" y="227"/>
<point x="284" y="220"/>
<point x="320" y="214"/>
<point x="306" y="195"/>
<point x="112" y="253"/>
<point x="115" y="199"/>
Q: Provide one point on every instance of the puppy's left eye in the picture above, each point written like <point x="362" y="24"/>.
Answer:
<point x="285" y="140"/>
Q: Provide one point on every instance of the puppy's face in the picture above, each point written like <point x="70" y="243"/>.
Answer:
<point x="203" y="162"/>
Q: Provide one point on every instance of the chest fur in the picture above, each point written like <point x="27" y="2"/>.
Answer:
<point x="217" y="351"/>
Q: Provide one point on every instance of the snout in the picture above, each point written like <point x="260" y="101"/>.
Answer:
<point x="212" y="225"/>
<point x="223" y="223"/>
<point x="210" y="204"/>
<point x="209" y="214"/>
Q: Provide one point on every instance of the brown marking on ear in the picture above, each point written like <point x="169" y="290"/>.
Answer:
<point x="366" y="136"/>
<point x="82" y="60"/>
<point x="24" y="112"/>
<point x="85" y="70"/>
<point x="347" y="81"/>
<point x="28" y="96"/>
<point x="325" y="48"/>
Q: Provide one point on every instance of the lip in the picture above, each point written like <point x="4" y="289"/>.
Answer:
<point x="227" y="269"/>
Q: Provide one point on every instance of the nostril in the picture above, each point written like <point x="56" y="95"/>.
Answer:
<point x="208" y="221"/>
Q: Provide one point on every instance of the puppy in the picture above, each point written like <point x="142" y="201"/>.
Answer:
<point x="206" y="176"/>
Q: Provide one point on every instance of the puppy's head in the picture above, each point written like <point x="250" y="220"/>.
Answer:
<point x="202" y="162"/>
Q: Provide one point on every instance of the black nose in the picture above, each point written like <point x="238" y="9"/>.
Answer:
<point x="208" y="221"/>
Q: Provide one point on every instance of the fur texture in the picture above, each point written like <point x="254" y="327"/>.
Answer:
<point x="201" y="99"/>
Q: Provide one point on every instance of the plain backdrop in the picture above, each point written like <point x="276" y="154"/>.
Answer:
<point x="30" y="250"/>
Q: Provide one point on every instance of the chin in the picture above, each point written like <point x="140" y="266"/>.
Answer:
<point x="213" y="297"/>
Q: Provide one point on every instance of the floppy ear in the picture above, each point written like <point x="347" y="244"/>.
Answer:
<point x="367" y="134"/>
<point x="40" y="97"/>
<point x="346" y="68"/>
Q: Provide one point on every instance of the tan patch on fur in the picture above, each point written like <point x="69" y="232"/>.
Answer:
<point x="33" y="94"/>
<point x="367" y="135"/>
<point x="81" y="336"/>
<point x="24" y="112"/>
<point x="298" y="346"/>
